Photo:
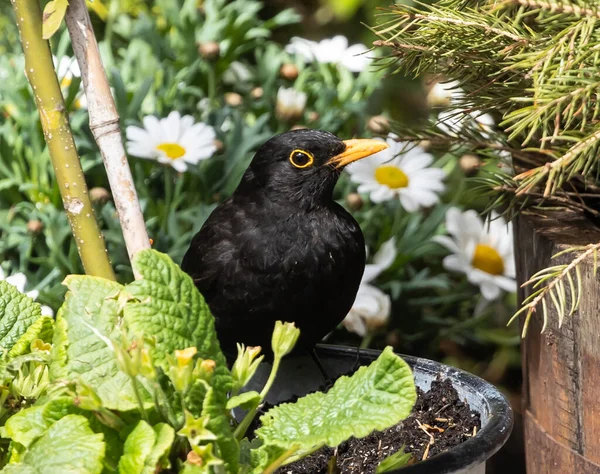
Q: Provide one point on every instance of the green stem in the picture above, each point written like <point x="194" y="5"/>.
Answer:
<point x="240" y="431"/>
<point x="138" y="397"/>
<point x="39" y="69"/>
<point x="212" y="85"/>
<point x="397" y="218"/>
<point x="366" y="342"/>
<point x="169" y="177"/>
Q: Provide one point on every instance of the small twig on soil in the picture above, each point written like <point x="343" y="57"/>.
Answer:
<point x="442" y="409"/>
<point x="474" y="430"/>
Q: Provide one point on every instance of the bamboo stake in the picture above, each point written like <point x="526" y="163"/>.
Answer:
<point x="104" y="123"/>
<point x="39" y="69"/>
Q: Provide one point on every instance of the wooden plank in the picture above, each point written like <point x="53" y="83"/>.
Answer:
<point x="546" y="455"/>
<point x="561" y="367"/>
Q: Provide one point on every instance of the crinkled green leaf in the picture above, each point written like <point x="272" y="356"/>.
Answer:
<point x="246" y="400"/>
<point x="219" y="423"/>
<point x="54" y="12"/>
<point x="194" y="396"/>
<point x="41" y="329"/>
<point x="27" y="425"/>
<point x="266" y="455"/>
<point x="90" y="309"/>
<point x="170" y="308"/>
<point x="374" y="398"/>
<point x="146" y="449"/>
<point x="18" y="313"/>
<point x="68" y="446"/>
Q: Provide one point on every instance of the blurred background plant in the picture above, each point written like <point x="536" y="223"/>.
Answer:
<point x="243" y="71"/>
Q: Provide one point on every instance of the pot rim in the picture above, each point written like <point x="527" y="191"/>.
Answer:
<point x="472" y="452"/>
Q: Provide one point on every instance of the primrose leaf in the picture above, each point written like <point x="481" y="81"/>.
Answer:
<point x="54" y="12"/>
<point x="246" y="400"/>
<point x="373" y="398"/>
<point x="42" y="329"/>
<point x="170" y="309"/>
<point x="27" y="425"/>
<point x="68" y="446"/>
<point x="147" y="449"/>
<point x="91" y="310"/>
<point x="18" y="312"/>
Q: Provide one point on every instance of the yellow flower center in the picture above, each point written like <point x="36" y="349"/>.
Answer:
<point x="487" y="259"/>
<point x="172" y="150"/>
<point x="66" y="82"/>
<point x="391" y="176"/>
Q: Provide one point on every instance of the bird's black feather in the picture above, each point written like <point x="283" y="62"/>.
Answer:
<point x="280" y="248"/>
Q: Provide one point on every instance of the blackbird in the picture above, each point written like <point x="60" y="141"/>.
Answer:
<point x="280" y="248"/>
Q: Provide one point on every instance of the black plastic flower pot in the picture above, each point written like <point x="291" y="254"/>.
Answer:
<point x="299" y="376"/>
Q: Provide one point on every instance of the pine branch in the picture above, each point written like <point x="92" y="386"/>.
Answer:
<point x="39" y="69"/>
<point x="559" y="7"/>
<point x="555" y="289"/>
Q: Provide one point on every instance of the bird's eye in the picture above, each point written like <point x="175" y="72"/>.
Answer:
<point x="301" y="159"/>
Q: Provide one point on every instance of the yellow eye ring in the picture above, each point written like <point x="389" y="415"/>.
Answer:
<point x="298" y="157"/>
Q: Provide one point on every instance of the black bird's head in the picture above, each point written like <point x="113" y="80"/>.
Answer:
<point x="303" y="166"/>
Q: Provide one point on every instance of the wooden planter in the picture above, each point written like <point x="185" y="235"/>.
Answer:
<point x="561" y="367"/>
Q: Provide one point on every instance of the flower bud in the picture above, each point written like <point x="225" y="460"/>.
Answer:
<point x="245" y="365"/>
<point x="313" y="116"/>
<point x="185" y="356"/>
<point x="204" y="369"/>
<point x="87" y="398"/>
<point x="290" y="104"/>
<point x="233" y="99"/>
<point x="209" y="50"/>
<point x="379" y="124"/>
<point x="288" y="71"/>
<point x="284" y="338"/>
<point x="257" y="92"/>
<point x="99" y="195"/>
<point x="35" y="226"/>
<point x="469" y="164"/>
<point x="354" y="201"/>
<point x="219" y="145"/>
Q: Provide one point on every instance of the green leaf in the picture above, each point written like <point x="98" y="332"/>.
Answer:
<point x="374" y="398"/>
<point x="18" y="313"/>
<point x="394" y="461"/>
<point x="170" y="309"/>
<point x="27" y="425"/>
<point x="147" y="449"/>
<point x="54" y="12"/>
<point x="41" y="329"/>
<point x="91" y="309"/>
<point x="68" y="446"/>
<point x="246" y="401"/>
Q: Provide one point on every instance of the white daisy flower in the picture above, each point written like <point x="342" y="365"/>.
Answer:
<point x="175" y="140"/>
<point x="290" y="104"/>
<point x="333" y="50"/>
<point x="399" y="172"/>
<point x="372" y="307"/>
<point x="442" y="94"/>
<point x="19" y="281"/>
<point x="484" y="253"/>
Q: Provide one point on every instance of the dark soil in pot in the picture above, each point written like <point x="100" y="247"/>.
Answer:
<point x="439" y="421"/>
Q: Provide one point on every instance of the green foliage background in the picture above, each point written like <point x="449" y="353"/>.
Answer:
<point x="151" y="56"/>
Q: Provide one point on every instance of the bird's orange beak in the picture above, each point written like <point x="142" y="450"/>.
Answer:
<point x="357" y="149"/>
